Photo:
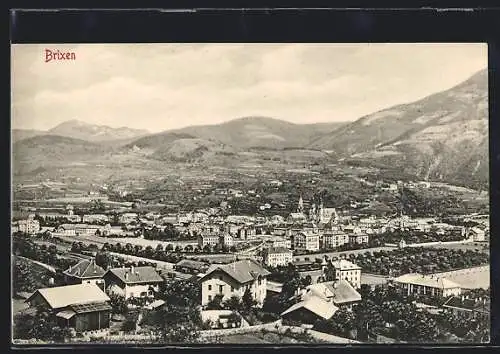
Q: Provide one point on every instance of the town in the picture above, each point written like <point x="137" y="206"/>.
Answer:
<point x="104" y="272"/>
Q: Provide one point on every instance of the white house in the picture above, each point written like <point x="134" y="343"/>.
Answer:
<point x="277" y="256"/>
<point x="418" y="284"/>
<point x="133" y="281"/>
<point x="234" y="279"/>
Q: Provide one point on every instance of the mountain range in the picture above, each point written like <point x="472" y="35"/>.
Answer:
<point x="84" y="131"/>
<point x="443" y="136"/>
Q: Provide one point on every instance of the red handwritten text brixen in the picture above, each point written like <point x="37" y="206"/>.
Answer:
<point x="57" y="55"/>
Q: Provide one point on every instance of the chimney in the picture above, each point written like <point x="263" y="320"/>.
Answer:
<point x="463" y="298"/>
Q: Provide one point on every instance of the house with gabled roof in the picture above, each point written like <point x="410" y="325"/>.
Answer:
<point x="321" y="301"/>
<point x="234" y="279"/>
<point x="85" y="271"/>
<point x="84" y="307"/>
<point x="133" y="282"/>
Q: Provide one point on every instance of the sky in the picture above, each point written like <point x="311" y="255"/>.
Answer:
<point x="167" y="86"/>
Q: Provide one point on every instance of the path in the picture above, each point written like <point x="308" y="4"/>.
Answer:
<point x="46" y="266"/>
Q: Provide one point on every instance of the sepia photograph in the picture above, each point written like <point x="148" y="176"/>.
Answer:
<point x="272" y="194"/>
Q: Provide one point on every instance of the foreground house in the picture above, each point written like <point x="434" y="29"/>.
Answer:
<point x="133" y="282"/>
<point x="321" y="301"/>
<point x="234" y="279"/>
<point x="84" y="307"/>
<point x="418" y="284"/>
<point x="85" y="271"/>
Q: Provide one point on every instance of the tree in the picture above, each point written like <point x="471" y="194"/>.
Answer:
<point x="233" y="303"/>
<point x="23" y="278"/>
<point x="103" y="260"/>
<point x="247" y="300"/>
<point x="170" y="231"/>
<point x="216" y="303"/>
<point x="118" y="304"/>
<point x="188" y="248"/>
<point x="40" y="325"/>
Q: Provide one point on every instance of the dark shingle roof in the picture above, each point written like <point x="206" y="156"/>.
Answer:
<point x="85" y="269"/>
<point x="242" y="271"/>
<point x="137" y="275"/>
<point x="468" y="304"/>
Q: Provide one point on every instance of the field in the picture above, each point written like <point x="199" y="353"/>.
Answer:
<point x="464" y="246"/>
<point x="471" y="278"/>
<point x="87" y="239"/>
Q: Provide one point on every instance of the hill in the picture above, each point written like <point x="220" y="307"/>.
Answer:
<point x="20" y="134"/>
<point x="443" y="136"/>
<point x="45" y="151"/>
<point x="95" y="133"/>
<point x="260" y="132"/>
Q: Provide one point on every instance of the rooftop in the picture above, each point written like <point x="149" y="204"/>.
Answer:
<point x="242" y="271"/>
<point x="134" y="275"/>
<point x="85" y="269"/>
<point x="426" y="280"/>
<point x="63" y="296"/>
<point x="344" y="264"/>
<point x="339" y="291"/>
<point x="316" y="305"/>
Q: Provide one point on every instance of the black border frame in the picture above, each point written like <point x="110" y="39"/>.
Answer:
<point x="279" y="24"/>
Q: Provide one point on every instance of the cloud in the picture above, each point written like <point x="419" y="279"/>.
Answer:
<point x="166" y="86"/>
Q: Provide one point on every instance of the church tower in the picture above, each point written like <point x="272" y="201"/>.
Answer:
<point x="300" y="207"/>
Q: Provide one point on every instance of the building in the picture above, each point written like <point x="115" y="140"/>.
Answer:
<point x="476" y="234"/>
<point x="476" y="308"/>
<point x="84" y="307"/>
<point x="306" y="241"/>
<point x="277" y="256"/>
<point x="296" y="218"/>
<point x="95" y="218"/>
<point x="344" y="270"/>
<point x="333" y="239"/>
<point x="281" y="242"/>
<point x="234" y="279"/>
<point x="207" y="240"/>
<point x="85" y="271"/>
<point x="418" y="284"/>
<point x="358" y="239"/>
<point x="127" y="218"/>
<point x="29" y="226"/>
<point x="247" y="233"/>
<point x="133" y="281"/>
<point x="321" y="301"/>
<point x="191" y="267"/>
<point x="226" y="240"/>
<point x="81" y="229"/>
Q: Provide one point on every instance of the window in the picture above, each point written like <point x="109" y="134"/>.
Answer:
<point x="209" y="287"/>
<point x="221" y="288"/>
<point x="209" y="297"/>
<point x="232" y="289"/>
<point x="220" y="278"/>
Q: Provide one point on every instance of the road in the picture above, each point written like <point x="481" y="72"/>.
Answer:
<point x="159" y="264"/>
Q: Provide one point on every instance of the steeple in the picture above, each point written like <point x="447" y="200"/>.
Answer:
<point x="300" y="207"/>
